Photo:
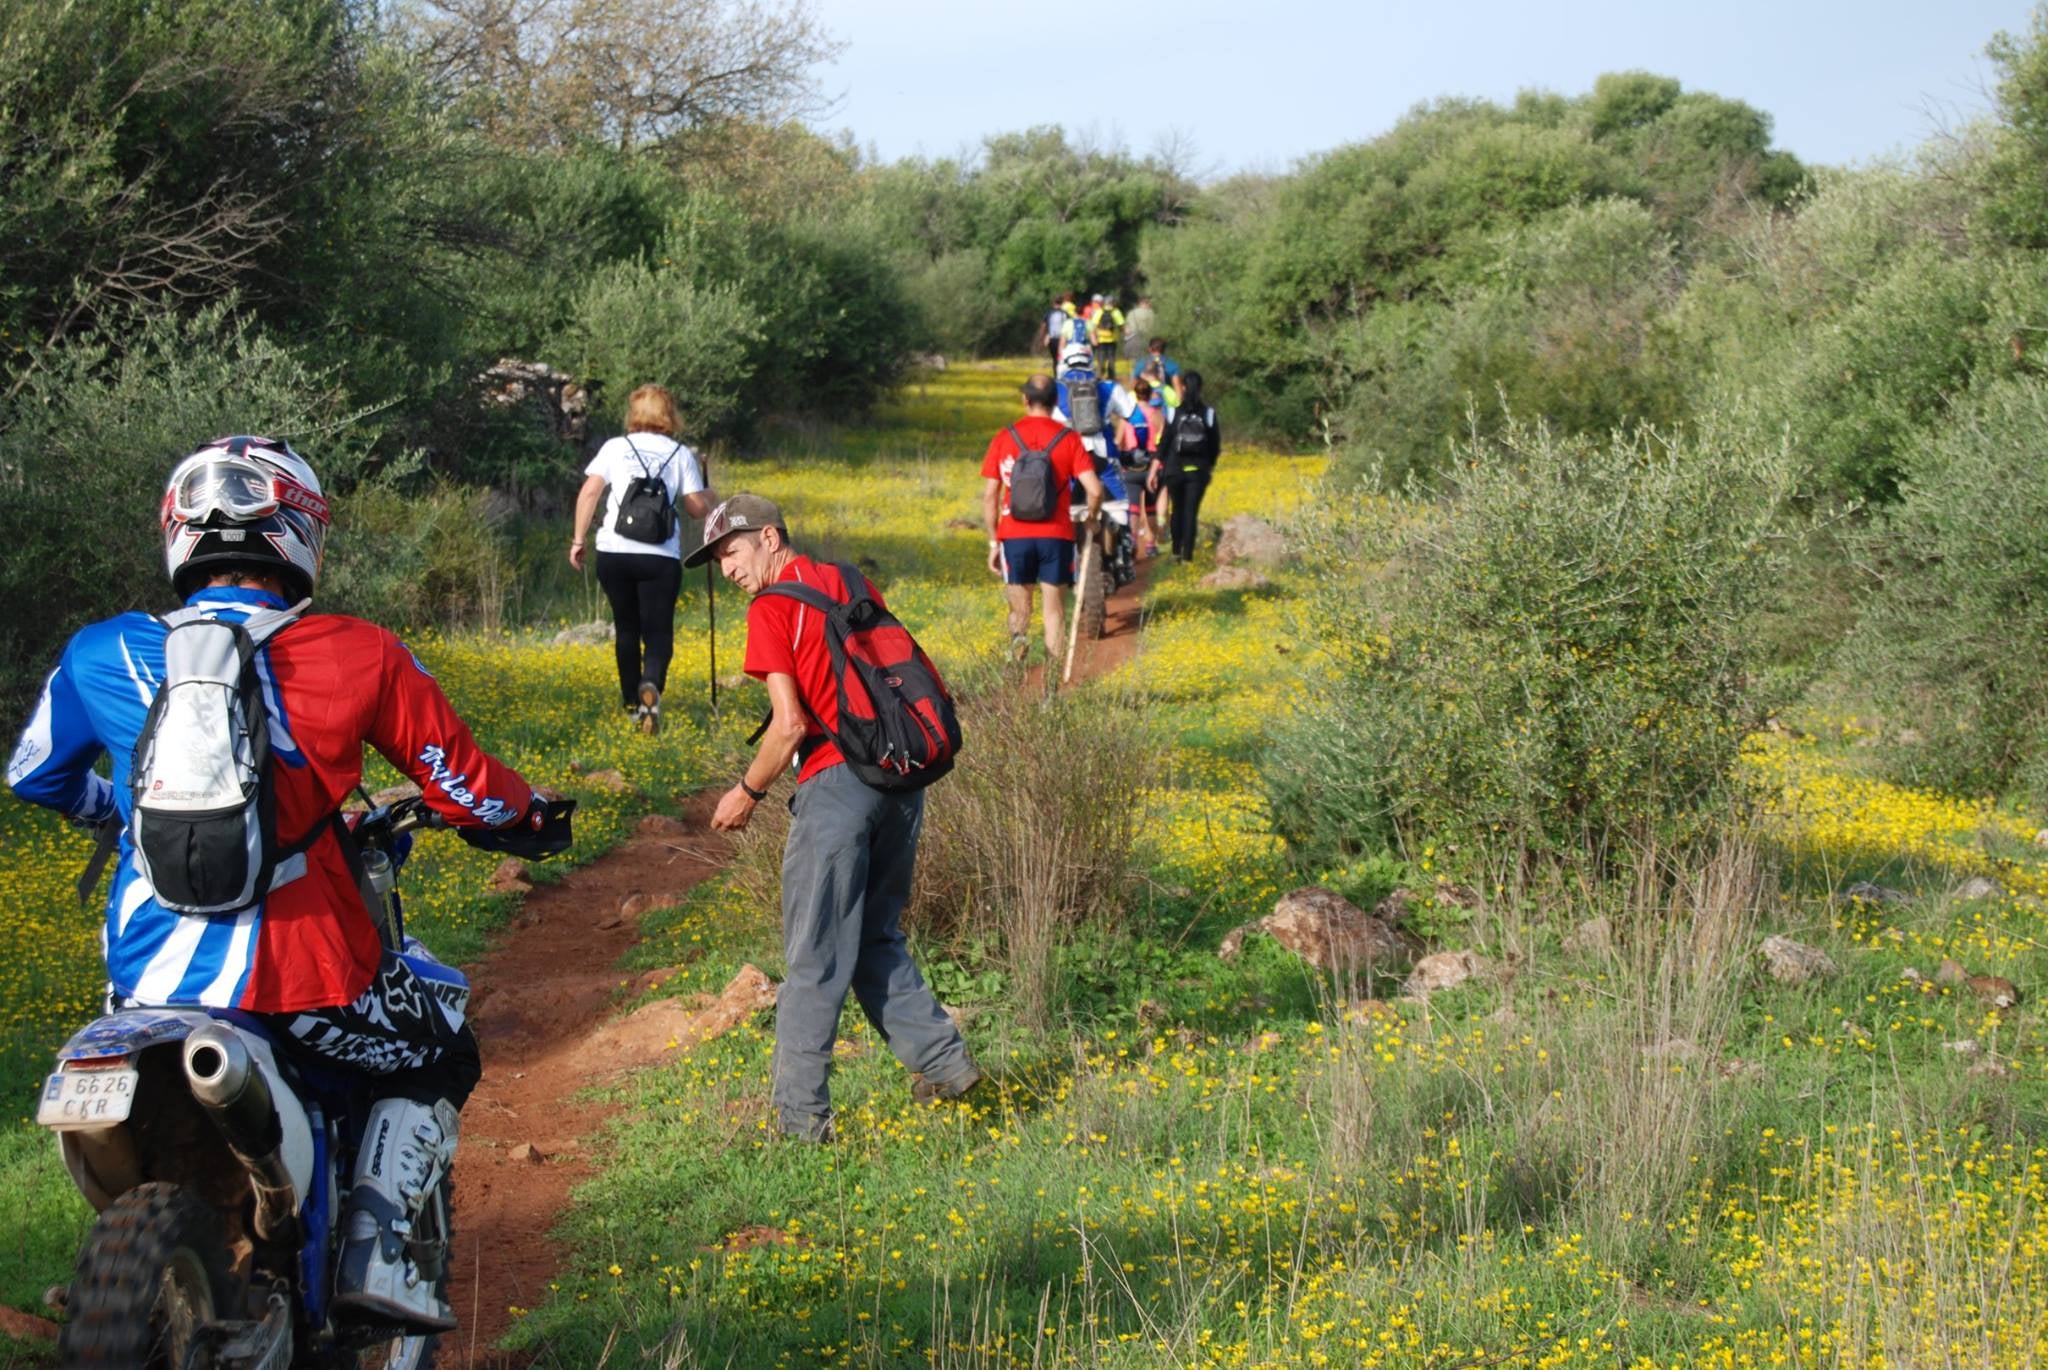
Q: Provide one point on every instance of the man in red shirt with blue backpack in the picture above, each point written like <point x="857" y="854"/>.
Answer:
<point x="861" y="712"/>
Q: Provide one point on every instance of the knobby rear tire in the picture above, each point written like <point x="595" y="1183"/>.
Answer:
<point x="153" y="1269"/>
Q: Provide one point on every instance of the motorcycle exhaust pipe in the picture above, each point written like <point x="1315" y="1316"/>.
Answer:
<point x="229" y="1086"/>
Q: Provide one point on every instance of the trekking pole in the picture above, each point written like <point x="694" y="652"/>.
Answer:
<point x="711" y="609"/>
<point x="1080" y="595"/>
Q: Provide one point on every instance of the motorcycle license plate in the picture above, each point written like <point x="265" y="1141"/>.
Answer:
<point x="86" y="1098"/>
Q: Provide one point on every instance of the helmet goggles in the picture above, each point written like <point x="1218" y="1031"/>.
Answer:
<point x="237" y="488"/>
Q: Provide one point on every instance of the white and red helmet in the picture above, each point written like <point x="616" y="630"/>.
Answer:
<point x="249" y="502"/>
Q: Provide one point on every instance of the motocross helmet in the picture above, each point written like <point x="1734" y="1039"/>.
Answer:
<point x="249" y="502"/>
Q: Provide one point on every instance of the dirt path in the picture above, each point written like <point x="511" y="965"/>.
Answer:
<point x="550" y="985"/>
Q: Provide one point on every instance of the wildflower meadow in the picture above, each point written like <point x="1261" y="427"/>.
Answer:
<point x="1629" y="1149"/>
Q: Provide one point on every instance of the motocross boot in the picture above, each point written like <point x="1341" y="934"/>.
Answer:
<point x="407" y="1147"/>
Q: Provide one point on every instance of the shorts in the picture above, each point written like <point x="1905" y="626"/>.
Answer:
<point x="1038" y="561"/>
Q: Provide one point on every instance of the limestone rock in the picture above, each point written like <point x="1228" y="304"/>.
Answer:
<point x="511" y="877"/>
<point x="638" y="905"/>
<point x="529" y="1154"/>
<point x="1968" y="1046"/>
<point x="1594" y="937"/>
<point x="1994" y="990"/>
<point x="661" y="825"/>
<point x="1248" y="538"/>
<point x="1876" y="894"/>
<point x="1330" y="932"/>
<point x="1234" y="578"/>
<point x="1441" y="970"/>
<point x="1979" y="887"/>
<point x="649" y="1032"/>
<point x="1950" y="972"/>
<point x="596" y="633"/>
<point x="1795" y="963"/>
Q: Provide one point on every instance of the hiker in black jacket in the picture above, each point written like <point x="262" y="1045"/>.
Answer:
<point x="1185" y="461"/>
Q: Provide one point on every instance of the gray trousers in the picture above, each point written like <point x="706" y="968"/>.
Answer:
<point x="845" y="880"/>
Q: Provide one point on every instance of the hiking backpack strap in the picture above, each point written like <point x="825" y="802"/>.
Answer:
<point x="814" y="598"/>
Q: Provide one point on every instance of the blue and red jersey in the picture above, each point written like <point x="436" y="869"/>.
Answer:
<point x="331" y="684"/>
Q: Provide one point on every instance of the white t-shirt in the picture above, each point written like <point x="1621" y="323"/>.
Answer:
<point x="624" y="460"/>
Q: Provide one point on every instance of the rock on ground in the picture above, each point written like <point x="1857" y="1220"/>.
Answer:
<point x="1594" y="937"/>
<point x="593" y="634"/>
<point x="609" y="780"/>
<point x="1441" y="970"/>
<point x="1248" y="538"/>
<point x="1876" y="894"/>
<point x="1795" y="963"/>
<point x="661" y="825"/>
<point x="1234" y="578"/>
<point x="1324" y="929"/>
<point x="1978" y="887"/>
<point x="511" y="877"/>
<point x="1994" y="990"/>
<point x="1950" y="972"/>
<point x="649" y="1032"/>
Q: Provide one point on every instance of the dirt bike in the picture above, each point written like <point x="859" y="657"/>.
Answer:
<point x="1107" y="560"/>
<point x="219" y="1161"/>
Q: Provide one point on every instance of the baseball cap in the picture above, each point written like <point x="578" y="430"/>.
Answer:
<point x="742" y="513"/>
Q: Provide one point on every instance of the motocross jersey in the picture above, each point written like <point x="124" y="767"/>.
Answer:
<point x="330" y="684"/>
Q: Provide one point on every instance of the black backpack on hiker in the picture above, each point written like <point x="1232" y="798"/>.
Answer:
<point x="1034" y="485"/>
<point x="1191" y="435"/>
<point x="646" y="513"/>
<point x="898" y="728"/>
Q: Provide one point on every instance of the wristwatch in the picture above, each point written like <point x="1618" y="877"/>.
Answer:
<point x="756" y="795"/>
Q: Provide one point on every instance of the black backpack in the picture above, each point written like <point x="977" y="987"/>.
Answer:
<point x="1034" y="486"/>
<point x="646" y="513"/>
<point x="1191" y="434"/>
<point x="898" y="729"/>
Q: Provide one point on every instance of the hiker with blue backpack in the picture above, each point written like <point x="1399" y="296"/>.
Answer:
<point x="639" y="542"/>
<point x="860" y="711"/>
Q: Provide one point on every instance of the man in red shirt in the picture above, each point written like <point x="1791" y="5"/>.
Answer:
<point x="1023" y="552"/>
<point x="847" y="866"/>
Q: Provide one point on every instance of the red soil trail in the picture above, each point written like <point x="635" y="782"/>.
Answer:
<point x="548" y="986"/>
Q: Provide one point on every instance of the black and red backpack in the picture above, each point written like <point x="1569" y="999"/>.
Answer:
<point x="898" y="729"/>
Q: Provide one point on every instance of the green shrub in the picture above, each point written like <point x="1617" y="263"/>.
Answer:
<point x="637" y="323"/>
<point x="1953" y="641"/>
<point x="407" y="559"/>
<point x="87" y="443"/>
<point x="1551" y="658"/>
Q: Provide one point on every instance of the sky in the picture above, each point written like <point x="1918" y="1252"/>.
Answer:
<point x="1255" y="84"/>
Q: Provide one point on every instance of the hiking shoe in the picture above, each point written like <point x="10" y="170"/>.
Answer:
<point x="648" y="715"/>
<point x="819" y="1132"/>
<point x="1020" y="647"/>
<point x="925" y="1091"/>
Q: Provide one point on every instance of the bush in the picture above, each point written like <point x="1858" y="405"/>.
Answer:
<point x="1031" y="835"/>
<point x="87" y="443"/>
<point x="1551" y="658"/>
<point x="1953" y="640"/>
<point x="636" y="323"/>
<point x="411" y="559"/>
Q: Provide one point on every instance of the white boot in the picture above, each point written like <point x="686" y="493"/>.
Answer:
<point x="407" y="1147"/>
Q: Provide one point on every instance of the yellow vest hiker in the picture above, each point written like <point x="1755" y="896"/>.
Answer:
<point x="1108" y="323"/>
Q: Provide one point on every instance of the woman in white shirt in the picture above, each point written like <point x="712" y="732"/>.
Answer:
<point x="641" y="578"/>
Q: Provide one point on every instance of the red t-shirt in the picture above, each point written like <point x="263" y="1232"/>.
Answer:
<point x="788" y="638"/>
<point x="1069" y="459"/>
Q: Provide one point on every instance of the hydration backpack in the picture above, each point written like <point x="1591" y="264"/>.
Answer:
<point x="898" y="729"/>
<point x="646" y="513"/>
<point x="1034" y="486"/>
<point x="1084" y="402"/>
<point x="1191" y="435"/>
<point x="204" y="816"/>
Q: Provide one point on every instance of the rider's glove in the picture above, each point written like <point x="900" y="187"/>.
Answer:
<point x="542" y="831"/>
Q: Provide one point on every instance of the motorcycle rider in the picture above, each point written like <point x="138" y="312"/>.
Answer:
<point x="244" y="527"/>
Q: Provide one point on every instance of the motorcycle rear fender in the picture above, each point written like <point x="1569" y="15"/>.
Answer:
<point x="103" y="1161"/>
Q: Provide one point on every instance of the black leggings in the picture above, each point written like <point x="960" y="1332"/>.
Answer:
<point x="1186" y="489"/>
<point x="642" y="588"/>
